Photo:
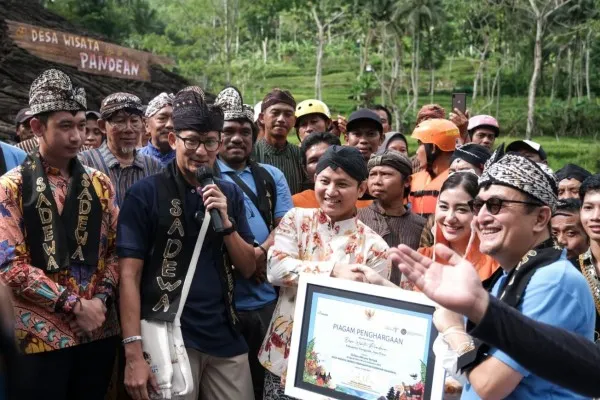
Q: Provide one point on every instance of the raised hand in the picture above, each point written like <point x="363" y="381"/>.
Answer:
<point x="455" y="286"/>
<point x="214" y="198"/>
<point x="461" y="121"/>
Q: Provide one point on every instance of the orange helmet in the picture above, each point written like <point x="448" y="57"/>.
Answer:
<point x="441" y="132"/>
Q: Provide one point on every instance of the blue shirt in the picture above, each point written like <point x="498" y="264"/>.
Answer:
<point x="250" y="295"/>
<point x="557" y="295"/>
<point x="204" y="321"/>
<point x="151" y="151"/>
<point x="13" y="156"/>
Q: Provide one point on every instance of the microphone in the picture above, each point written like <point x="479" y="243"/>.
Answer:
<point x="204" y="175"/>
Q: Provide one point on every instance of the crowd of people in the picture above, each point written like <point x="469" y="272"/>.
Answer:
<point x="105" y="233"/>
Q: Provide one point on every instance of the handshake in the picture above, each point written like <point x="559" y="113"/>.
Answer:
<point x="359" y="273"/>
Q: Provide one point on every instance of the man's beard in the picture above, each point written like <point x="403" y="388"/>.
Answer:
<point x="127" y="149"/>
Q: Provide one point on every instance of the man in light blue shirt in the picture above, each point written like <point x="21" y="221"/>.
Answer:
<point x="513" y="210"/>
<point x="267" y="199"/>
<point x="10" y="158"/>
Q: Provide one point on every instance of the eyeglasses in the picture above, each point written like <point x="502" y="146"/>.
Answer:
<point x="120" y="122"/>
<point x="193" y="144"/>
<point x="495" y="204"/>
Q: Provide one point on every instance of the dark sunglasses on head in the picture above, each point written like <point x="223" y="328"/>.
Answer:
<point x="495" y="204"/>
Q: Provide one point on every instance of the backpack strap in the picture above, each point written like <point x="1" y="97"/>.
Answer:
<point x="266" y="192"/>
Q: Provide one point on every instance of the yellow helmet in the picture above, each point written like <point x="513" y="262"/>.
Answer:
<point x="312" y="106"/>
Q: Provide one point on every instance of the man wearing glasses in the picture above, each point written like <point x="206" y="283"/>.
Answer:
<point x="514" y="208"/>
<point x="157" y="231"/>
<point x="121" y="119"/>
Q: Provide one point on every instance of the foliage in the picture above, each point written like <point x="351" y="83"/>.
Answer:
<point x="402" y="53"/>
<point x="116" y="19"/>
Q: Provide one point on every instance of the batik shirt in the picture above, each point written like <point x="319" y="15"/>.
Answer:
<point x="43" y="302"/>
<point x="587" y="265"/>
<point x="308" y="242"/>
<point x="151" y="151"/>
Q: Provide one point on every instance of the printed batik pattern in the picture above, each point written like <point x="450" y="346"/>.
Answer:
<point x="308" y="242"/>
<point x="43" y="302"/>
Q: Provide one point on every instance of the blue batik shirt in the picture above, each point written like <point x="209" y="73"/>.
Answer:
<point x="151" y="151"/>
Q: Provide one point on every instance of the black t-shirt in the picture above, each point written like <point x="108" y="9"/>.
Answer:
<point x="204" y="322"/>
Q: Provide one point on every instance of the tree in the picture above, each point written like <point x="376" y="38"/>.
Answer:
<point x="324" y="19"/>
<point x="420" y="14"/>
<point x="539" y="11"/>
<point x="230" y="16"/>
<point x="115" y="19"/>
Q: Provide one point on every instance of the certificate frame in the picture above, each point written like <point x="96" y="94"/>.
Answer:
<point x="378" y="297"/>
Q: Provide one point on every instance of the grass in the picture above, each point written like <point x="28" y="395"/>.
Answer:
<point x="340" y="77"/>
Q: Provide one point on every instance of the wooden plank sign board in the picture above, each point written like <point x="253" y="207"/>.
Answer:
<point x="84" y="53"/>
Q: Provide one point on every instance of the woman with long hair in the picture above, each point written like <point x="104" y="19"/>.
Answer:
<point x="453" y="218"/>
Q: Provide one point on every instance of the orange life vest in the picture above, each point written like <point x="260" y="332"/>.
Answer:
<point x="424" y="191"/>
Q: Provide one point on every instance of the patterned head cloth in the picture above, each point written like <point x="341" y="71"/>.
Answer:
<point x="518" y="172"/>
<point x="249" y="111"/>
<point x="54" y="91"/>
<point x="121" y="101"/>
<point x="230" y="100"/>
<point x="430" y="111"/>
<point x="277" y="96"/>
<point x="157" y="103"/>
<point x="391" y="158"/>
<point x="191" y="112"/>
<point x="347" y="158"/>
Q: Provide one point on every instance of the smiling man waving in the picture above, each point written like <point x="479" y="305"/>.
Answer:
<point x="513" y="211"/>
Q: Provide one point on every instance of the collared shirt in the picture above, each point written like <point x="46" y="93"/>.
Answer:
<point x="250" y="295"/>
<point x="308" y="242"/>
<point x="42" y="314"/>
<point x="31" y="145"/>
<point x="13" y="156"/>
<point x="162" y="158"/>
<point x="557" y="295"/>
<point x="395" y="230"/>
<point x="288" y="160"/>
<point x="121" y="177"/>
<point x="204" y="322"/>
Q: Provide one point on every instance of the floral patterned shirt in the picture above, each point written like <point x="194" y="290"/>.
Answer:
<point x="43" y="302"/>
<point x="587" y="265"/>
<point x="306" y="241"/>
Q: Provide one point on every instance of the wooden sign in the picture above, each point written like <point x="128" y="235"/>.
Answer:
<point x="84" y="53"/>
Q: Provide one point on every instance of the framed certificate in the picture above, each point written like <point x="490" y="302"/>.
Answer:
<point x="354" y="340"/>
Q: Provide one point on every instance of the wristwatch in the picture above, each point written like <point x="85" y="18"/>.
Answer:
<point x="106" y="299"/>
<point x="231" y="229"/>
